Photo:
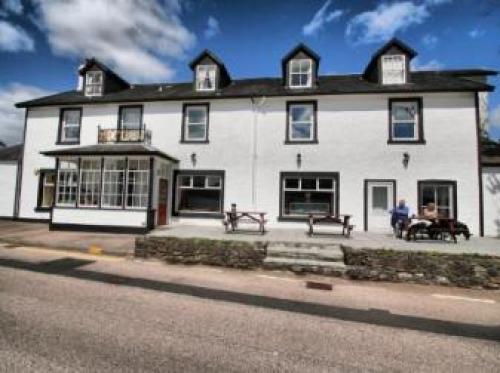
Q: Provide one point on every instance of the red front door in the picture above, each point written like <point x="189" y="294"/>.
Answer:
<point x="162" y="202"/>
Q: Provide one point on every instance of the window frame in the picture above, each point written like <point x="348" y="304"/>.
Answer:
<point x="196" y="75"/>
<point x="314" y="125"/>
<point x="58" y="181"/>
<point x="145" y="171"/>
<point x="305" y="175"/>
<point x="98" y="183"/>
<point x="207" y="173"/>
<point x="41" y="188"/>
<point x="184" y="131"/>
<point x="87" y="73"/>
<point x="122" y="108"/>
<point x="309" y="73"/>
<point x="123" y="182"/>
<point x="435" y="182"/>
<point x="405" y="68"/>
<point x="60" y="132"/>
<point x="419" y="122"/>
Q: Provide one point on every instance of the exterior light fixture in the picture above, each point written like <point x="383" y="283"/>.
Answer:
<point x="406" y="159"/>
<point x="193" y="159"/>
<point x="299" y="160"/>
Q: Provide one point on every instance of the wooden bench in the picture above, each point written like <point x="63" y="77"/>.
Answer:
<point x="233" y="218"/>
<point x="341" y="220"/>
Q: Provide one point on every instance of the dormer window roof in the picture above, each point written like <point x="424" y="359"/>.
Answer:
<point x="390" y="64"/>
<point x="300" y="67"/>
<point x="210" y="74"/>
<point x="98" y="79"/>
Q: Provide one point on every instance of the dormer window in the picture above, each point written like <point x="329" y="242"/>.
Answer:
<point x="393" y="69"/>
<point x="300" y="73"/>
<point x="205" y="77"/>
<point x="93" y="83"/>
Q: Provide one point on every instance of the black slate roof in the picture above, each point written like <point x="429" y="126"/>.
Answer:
<point x="110" y="149"/>
<point x="421" y="81"/>
<point x="11" y="153"/>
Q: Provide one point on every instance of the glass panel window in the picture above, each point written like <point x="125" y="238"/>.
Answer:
<point x="393" y="69"/>
<point x="300" y="73"/>
<point x="380" y="198"/>
<point x="137" y="183"/>
<point x="302" y="196"/>
<point x="441" y="194"/>
<point x="404" y="120"/>
<point x="48" y="182"/>
<point x="202" y="194"/>
<point x="93" y="83"/>
<point x="205" y="77"/>
<point x="67" y="182"/>
<point x="130" y="118"/>
<point x="70" y="125"/>
<point x="195" y="123"/>
<point x="113" y="180"/>
<point x="90" y="182"/>
<point x="301" y="122"/>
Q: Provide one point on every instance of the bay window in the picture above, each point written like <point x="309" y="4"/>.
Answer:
<point x="308" y="193"/>
<point x="90" y="182"/>
<point x="46" y="189"/>
<point x="137" y="183"/>
<point x="200" y="192"/>
<point x="113" y="182"/>
<point x="67" y="182"/>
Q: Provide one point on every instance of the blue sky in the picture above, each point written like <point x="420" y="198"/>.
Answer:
<point x="42" y="42"/>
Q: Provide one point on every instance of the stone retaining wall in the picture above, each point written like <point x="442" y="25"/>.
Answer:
<point x="236" y="254"/>
<point x="465" y="270"/>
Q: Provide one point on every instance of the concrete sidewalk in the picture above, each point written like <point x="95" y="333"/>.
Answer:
<point x="38" y="234"/>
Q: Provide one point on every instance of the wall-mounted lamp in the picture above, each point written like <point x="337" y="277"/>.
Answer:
<point x="406" y="159"/>
<point x="193" y="159"/>
<point x="299" y="160"/>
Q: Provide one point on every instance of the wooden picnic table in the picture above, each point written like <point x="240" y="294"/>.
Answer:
<point x="235" y="217"/>
<point x="327" y="219"/>
<point x="438" y="227"/>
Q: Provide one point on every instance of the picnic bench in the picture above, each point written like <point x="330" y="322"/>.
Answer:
<point x="234" y="217"/>
<point x="334" y="220"/>
<point x="438" y="229"/>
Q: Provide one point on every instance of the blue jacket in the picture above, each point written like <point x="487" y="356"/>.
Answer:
<point x="399" y="213"/>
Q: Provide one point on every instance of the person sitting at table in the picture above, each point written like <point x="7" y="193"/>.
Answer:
<point x="400" y="216"/>
<point x="430" y="212"/>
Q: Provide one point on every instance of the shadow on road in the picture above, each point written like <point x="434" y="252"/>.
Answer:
<point x="69" y="267"/>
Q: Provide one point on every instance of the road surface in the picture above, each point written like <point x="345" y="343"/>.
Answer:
<point x="64" y="311"/>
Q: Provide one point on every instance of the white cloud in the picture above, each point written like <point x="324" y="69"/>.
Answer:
<point x="13" y="6"/>
<point x="494" y="117"/>
<point x="429" y="40"/>
<point x="13" y="38"/>
<point x="212" y="29"/>
<point x="429" y="65"/>
<point x="386" y="19"/>
<point x="320" y="18"/>
<point x="12" y="119"/>
<point x="476" y="33"/>
<point x="135" y="37"/>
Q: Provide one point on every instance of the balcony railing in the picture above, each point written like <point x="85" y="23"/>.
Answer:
<point x="113" y="135"/>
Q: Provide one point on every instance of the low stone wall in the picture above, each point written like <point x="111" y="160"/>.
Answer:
<point x="465" y="270"/>
<point x="235" y="254"/>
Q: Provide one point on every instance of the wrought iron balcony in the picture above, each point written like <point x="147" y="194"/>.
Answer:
<point x="114" y="135"/>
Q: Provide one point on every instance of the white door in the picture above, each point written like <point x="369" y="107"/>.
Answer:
<point x="380" y="200"/>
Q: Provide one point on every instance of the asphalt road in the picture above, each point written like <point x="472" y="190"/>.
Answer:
<point x="72" y="312"/>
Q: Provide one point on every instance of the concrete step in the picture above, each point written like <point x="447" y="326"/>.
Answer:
<point x="326" y="253"/>
<point x="324" y="267"/>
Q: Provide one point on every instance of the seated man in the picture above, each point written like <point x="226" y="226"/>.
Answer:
<point x="399" y="218"/>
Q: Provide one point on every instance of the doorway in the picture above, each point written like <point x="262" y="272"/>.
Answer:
<point x="162" y="218"/>
<point x="380" y="198"/>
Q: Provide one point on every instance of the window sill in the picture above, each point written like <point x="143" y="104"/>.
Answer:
<point x="302" y="142"/>
<point x="68" y="143"/>
<point x="201" y="215"/>
<point x="406" y="142"/>
<point x="194" y="142"/>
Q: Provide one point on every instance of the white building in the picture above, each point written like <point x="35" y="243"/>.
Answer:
<point x="124" y="157"/>
<point x="9" y="164"/>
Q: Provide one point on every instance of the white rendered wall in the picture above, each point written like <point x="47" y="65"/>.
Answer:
<point x="352" y="134"/>
<point x="120" y="218"/>
<point x="8" y="175"/>
<point x="491" y="196"/>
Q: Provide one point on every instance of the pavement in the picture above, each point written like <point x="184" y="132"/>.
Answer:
<point x="68" y="311"/>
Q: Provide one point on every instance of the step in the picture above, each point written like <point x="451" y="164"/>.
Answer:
<point x="306" y="265"/>
<point x="330" y="253"/>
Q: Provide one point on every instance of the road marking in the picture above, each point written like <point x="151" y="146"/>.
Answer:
<point x="277" y="278"/>
<point x="456" y="297"/>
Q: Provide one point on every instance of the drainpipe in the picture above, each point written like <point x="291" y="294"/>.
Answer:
<point x="255" y="111"/>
